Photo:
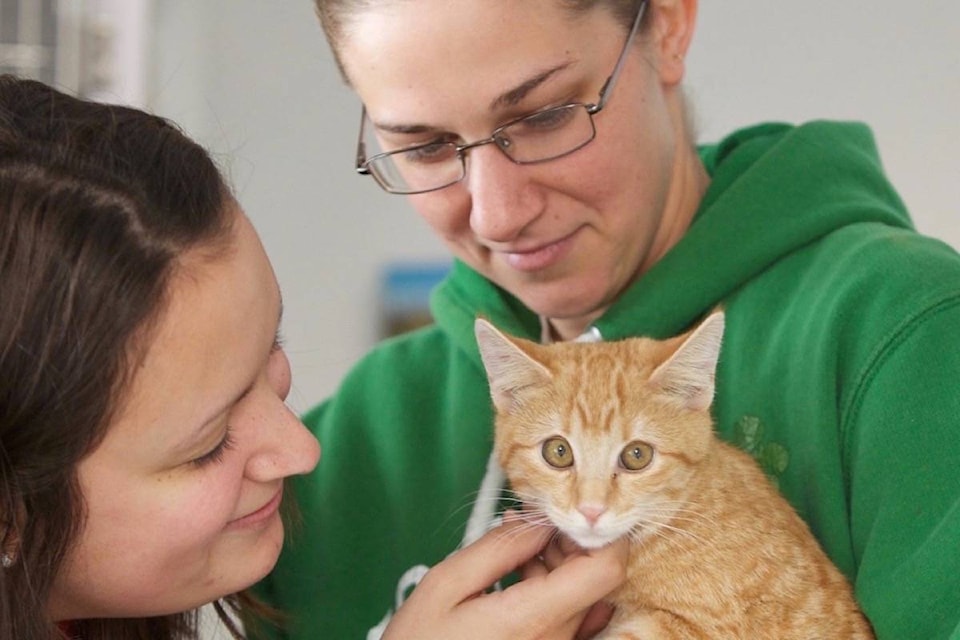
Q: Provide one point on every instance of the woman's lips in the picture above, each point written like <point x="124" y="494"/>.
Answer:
<point x="262" y="514"/>
<point x="540" y="257"/>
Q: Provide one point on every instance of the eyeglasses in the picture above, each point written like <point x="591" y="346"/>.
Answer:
<point x="537" y="137"/>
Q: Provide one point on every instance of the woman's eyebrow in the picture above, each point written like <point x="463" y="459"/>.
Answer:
<point x="517" y="94"/>
<point x="403" y="128"/>
<point x="507" y="99"/>
<point x="237" y="397"/>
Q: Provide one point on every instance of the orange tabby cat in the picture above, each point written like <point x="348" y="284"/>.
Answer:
<point x="616" y="439"/>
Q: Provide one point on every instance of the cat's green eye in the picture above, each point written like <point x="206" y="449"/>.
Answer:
<point x="636" y="456"/>
<point x="556" y="451"/>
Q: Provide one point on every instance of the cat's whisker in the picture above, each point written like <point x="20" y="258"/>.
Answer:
<point x="507" y="497"/>
<point x="676" y="511"/>
<point x="589" y="413"/>
<point x="698" y="513"/>
<point x="679" y="518"/>
<point x="519" y="495"/>
<point x="528" y="500"/>
<point x="528" y="520"/>
<point x="659" y="528"/>
<point x="470" y="502"/>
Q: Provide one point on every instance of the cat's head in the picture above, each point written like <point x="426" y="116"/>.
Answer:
<point x="603" y="438"/>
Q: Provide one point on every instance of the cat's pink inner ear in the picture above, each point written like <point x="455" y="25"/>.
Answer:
<point x="689" y="373"/>
<point x="509" y="369"/>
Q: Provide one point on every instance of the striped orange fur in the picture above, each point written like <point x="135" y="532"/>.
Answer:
<point x="616" y="439"/>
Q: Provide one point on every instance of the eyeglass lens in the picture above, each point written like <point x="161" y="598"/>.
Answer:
<point x="538" y="137"/>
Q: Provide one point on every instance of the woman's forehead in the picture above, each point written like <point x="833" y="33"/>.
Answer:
<point x="398" y="62"/>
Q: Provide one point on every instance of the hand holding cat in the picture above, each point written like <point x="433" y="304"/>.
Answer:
<point x="549" y="604"/>
<point x="558" y="551"/>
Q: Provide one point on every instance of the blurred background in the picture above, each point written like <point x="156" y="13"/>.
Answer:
<point x="253" y="80"/>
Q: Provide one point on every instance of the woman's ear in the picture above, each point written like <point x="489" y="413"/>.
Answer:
<point x="10" y="536"/>
<point x="671" y="34"/>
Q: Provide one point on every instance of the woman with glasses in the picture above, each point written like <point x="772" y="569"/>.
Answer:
<point x="547" y="143"/>
<point x="144" y="438"/>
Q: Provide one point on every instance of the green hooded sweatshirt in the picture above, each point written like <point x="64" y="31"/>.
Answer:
<point x="838" y="373"/>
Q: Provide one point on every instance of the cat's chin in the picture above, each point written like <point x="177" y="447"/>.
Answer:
<point x="590" y="539"/>
<point x="596" y="536"/>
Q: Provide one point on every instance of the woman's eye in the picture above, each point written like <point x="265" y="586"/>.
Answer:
<point x="543" y="121"/>
<point x="429" y="153"/>
<point x="557" y="453"/>
<point x="216" y="454"/>
<point x="636" y="456"/>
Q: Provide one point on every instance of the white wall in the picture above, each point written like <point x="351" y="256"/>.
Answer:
<point x="254" y="81"/>
<point x="892" y="64"/>
<point x="116" y="48"/>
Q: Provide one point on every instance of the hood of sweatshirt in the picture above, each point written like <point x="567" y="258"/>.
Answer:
<point x="774" y="188"/>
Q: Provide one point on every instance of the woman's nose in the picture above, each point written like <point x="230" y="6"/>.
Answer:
<point x="285" y="448"/>
<point x="504" y="200"/>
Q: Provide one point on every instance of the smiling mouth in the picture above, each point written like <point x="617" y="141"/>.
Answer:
<point x="261" y="514"/>
<point x="539" y="257"/>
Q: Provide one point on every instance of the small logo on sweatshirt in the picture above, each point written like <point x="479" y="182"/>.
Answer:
<point x="748" y="434"/>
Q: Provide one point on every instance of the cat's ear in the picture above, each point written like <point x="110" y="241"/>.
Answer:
<point x="689" y="373"/>
<point x="509" y="368"/>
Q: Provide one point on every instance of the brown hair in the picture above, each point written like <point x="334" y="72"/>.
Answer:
<point x="335" y="16"/>
<point x="97" y="203"/>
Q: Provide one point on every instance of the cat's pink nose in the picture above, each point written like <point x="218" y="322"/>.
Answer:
<point x="591" y="512"/>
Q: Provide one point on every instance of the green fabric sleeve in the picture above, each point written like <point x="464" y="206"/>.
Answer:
<point x="903" y="429"/>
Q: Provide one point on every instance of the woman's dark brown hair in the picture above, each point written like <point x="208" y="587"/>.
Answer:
<point x="97" y="203"/>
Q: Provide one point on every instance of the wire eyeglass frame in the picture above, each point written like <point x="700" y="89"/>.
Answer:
<point x="371" y="166"/>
